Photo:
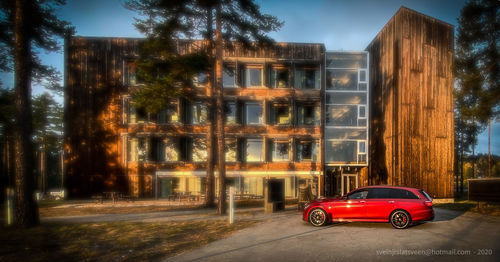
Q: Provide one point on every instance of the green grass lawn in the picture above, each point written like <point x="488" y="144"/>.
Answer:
<point x="112" y="241"/>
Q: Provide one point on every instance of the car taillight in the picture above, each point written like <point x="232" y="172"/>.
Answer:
<point x="428" y="203"/>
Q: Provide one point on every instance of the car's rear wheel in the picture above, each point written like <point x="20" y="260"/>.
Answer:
<point x="400" y="219"/>
<point x="318" y="217"/>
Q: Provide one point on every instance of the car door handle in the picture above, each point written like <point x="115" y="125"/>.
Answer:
<point x="391" y="202"/>
<point x="362" y="201"/>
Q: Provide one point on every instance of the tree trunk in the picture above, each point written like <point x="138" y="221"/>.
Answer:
<point x="221" y="208"/>
<point x="26" y="209"/>
<point x="210" y="186"/>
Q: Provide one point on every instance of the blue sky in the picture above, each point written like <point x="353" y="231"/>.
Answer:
<point x="340" y="25"/>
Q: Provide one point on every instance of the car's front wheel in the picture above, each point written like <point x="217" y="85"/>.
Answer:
<point x="318" y="217"/>
<point x="400" y="219"/>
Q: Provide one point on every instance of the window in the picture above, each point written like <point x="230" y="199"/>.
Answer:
<point x="308" y="114"/>
<point x="362" y="75"/>
<point x="137" y="115"/>
<point x="199" y="149"/>
<point x="280" y="114"/>
<point x="137" y="149"/>
<point x="342" y="115"/>
<point x="200" y="79"/>
<point x="253" y="76"/>
<point x="361" y="111"/>
<point x="280" y="151"/>
<point x="425" y="194"/>
<point x="279" y="77"/>
<point x="307" y="78"/>
<point x="306" y="150"/>
<point x="341" y="151"/>
<point x="229" y="76"/>
<point x="346" y="60"/>
<point x="169" y="150"/>
<point x="231" y="149"/>
<point x="198" y="113"/>
<point x="345" y="98"/>
<point x="377" y="193"/>
<point x="254" y="150"/>
<point x="342" y="79"/>
<point x="253" y="113"/>
<point x="402" y="194"/>
<point x="170" y="114"/>
<point x="230" y="112"/>
<point x="361" y="147"/>
<point x="130" y="77"/>
<point x="359" y="194"/>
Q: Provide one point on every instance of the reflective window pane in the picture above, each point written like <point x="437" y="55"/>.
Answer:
<point x="362" y="75"/>
<point x="254" y="114"/>
<point x="199" y="150"/>
<point x="341" y="151"/>
<point x="228" y="77"/>
<point x="362" y="147"/>
<point x="231" y="149"/>
<point x="230" y="111"/>
<point x="307" y="79"/>
<point x="254" y="152"/>
<point x="345" y="98"/>
<point x="341" y="115"/>
<point x="307" y="150"/>
<point x="346" y="60"/>
<point x="279" y="78"/>
<point x="254" y="77"/>
<point x="345" y="133"/>
<point x="308" y="114"/>
<point x="169" y="150"/>
<point x="280" y="151"/>
<point x="281" y="114"/>
<point x="342" y="79"/>
<point x="199" y="113"/>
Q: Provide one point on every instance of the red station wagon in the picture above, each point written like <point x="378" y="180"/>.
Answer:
<point x="401" y="206"/>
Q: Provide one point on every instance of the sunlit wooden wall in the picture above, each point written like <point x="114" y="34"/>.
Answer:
<point x="411" y="128"/>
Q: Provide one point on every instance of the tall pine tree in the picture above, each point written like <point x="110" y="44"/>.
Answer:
<point x="477" y="70"/>
<point x="220" y="23"/>
<point x="27" y="26"/>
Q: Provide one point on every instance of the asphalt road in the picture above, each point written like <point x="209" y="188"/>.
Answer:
<point x="452" y="236"/>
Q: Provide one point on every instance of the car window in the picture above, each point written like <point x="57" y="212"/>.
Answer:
<point x="402" y="194"/>
<point x="425" y="194"/>
<point x="374" y="193"/>
<point x="360" y="194"/>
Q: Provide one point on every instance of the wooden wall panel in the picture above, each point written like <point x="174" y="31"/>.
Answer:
<point x="411" y="126"/>
<point x="93" y="84"/>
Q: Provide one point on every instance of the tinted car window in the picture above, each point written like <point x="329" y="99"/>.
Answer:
<point x="425" y="194"/>
<point x="374" y="193"/>
<point x="360" y="194"/>
<point x="402" y="194"/>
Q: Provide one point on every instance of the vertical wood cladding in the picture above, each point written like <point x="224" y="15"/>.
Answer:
<point x="94" y="71"/>
<point x="412" y="129"/>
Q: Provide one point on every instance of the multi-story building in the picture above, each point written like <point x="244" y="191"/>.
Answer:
<point x="293" y="111"/>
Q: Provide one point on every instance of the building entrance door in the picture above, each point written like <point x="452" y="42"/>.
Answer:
<point x="349" y="182"/>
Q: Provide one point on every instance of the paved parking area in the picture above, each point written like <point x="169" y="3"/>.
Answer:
<point x="452" y="236"/>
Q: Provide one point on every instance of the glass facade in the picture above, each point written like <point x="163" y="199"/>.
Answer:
<point x="346" y="102"/>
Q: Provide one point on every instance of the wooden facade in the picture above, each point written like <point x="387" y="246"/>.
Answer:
<point x="412" y="128"/>
<point x="98" y="127"/>
<point x="94" y="70"/>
